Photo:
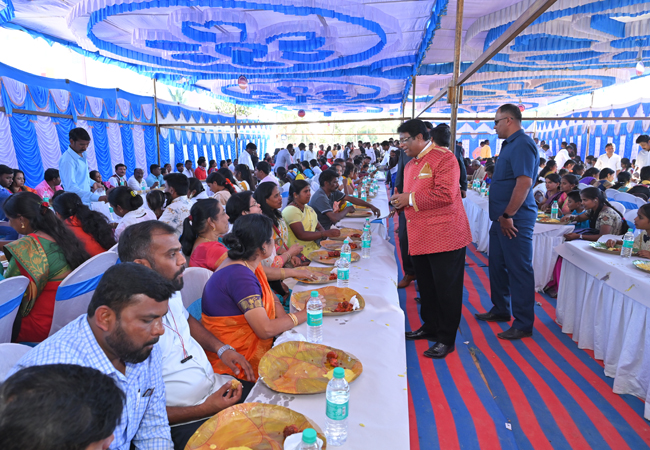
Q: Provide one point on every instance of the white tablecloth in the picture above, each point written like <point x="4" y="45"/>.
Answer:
<point x="603" y="301"/>
<point x="378" y="398"/>
<point x="545" y="237"/>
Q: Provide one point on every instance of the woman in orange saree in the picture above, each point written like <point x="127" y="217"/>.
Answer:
<point x="47" y="253"/>
<point x="238" y="306"/>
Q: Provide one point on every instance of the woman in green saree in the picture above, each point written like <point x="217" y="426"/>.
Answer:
<point x="46" y="254"/>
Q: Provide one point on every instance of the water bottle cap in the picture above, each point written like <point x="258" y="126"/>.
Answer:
<point x="347" y="240"/>
<point x="309" y="436"/>
<point x="339" y="372"/>
<point x="314" y="294"/>
<point x="110" y="209"/>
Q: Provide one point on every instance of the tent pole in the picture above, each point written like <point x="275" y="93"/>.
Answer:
<point x="236" y="135"/>
<point x="453" y="86"/>
<point x="587" y="151"/>
<point x="155" y="113"/>
<point x="413" y="83"/>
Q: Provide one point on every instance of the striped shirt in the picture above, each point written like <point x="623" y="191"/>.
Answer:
<point x="144" y="418"/>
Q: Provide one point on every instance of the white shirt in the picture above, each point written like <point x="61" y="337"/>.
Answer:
<point x="189" y="173"/>
<point x="201" y="196"/>
<point x="232" y="168"/>
<point x="371" y="152"/>
<point x="191" y="382"/>
<point x="136" y="185"/>
<point x="317" y="170"/>
<point x="141" y="214"/>
<point x="116" y="181"/>
<point x="283" y="159"/>
<point x="549" y="154"/>
<point x="642" y="159"/>
<point x="308" y="155"/>
<point x="245" y="158"/>
<point x="613" y="163"/>
<point x="270" y="177"/>
<point x="562" y="157"/>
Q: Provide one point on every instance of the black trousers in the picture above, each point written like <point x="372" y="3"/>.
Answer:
<point x="440" y="279"/>
<point x="407" y="263"/>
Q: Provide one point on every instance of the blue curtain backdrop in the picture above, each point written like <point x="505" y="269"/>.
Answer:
<point x="150" y="146"/>
<point x="102" y="152"/>
<point x="127" y="143"/>
<point x="63" y="127"/>
<point x="28" y="152"/>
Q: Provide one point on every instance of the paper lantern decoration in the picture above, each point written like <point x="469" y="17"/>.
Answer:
<point x="477" y="121"/>
<point x="301" y="113"/>
<point x="242" y="82"/>
<point x="521" y="107"/>
<point x="640" y="68"/>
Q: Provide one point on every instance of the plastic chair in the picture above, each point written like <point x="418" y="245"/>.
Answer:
<point x="639" y="201"/>
<point x="629" y="216"/>
<point x="11" y="294"/>
<point x="618" y="206"/>
<point x="194" y="280"/>
<point x="10" y="354"/>
<point x="581" y="186"/>
<point x="612" y="193"/>
<point x="625" y="197"/>
<point x="113" y="248"/>
<point x="76" y="290"/>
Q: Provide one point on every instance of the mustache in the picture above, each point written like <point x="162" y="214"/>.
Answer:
<point x="152" y="342"/>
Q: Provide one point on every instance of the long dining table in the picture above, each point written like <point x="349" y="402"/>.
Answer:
<point x="378" y="416"/>
<point x="545" y="237"/>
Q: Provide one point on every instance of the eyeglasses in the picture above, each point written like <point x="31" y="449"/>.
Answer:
<point x="404" y="140"/>
<point x="255" y="204"/>
<point x="496" y="122"/>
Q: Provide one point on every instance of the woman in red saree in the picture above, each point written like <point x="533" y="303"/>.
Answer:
<point x="238" y="305"/>
<point x="46" y="254"/>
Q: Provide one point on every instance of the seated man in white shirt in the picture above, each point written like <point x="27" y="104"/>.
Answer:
<point x="59" y="406"/>
<point x="119" y="178"/>
<point x="194" y="393"/>
<point x="562" y="157"/>
<point x="609" y="159"/>
<point x="188" y="171"/>
<point x="643" y="157"/>
<point x="137" y="181"/>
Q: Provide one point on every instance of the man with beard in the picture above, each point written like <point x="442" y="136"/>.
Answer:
<point x="117" y="337"/>
<point x="193" y="391"/>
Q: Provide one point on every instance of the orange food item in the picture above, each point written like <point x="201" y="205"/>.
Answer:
<point x="344" y="306"/>
<point x="353" y="245"/>
<point x="289" y="430"/>
<point x="333" y="359"/>
<point x="355" y="236"/>
<point x="334" y="253"/>
<point x="332" y="276"/>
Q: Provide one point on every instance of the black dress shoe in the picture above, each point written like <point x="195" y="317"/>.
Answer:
<point x="491" y="317"/>
<point x="439" y="350"/>
<point x="420" y="334"/>
<point x="513" y="334"/>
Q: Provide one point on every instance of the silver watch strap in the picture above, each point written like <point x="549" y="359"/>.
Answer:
<point x="224" y="349"/>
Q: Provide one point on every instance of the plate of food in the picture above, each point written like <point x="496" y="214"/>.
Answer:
<point x="304" y="368"/>
<point x="353" y="233"/>
<point x="254" y="426"/>
<point x="547" y="220"/>
<point x="357" y="213"/>
<point x="337" y="300"/>
<point x="602" y="247"/>
<point x="642" y="265"/>
<point x="325" y="275"/>
<point x="329" y="256"/>
<point x="331" y="244"/>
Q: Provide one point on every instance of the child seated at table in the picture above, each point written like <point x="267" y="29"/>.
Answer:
<point x="642" y="241"/>
<point x="574" y="204"/>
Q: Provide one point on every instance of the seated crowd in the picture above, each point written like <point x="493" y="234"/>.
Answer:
<point x="156" y="396"/>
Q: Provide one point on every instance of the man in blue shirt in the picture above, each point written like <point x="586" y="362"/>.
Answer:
<point x="6" y="178"/>
<point x="155" y="179"/>
<point x="73" y="168"/>
<point x="118" y="337"/>
<point x="513" y="211"/>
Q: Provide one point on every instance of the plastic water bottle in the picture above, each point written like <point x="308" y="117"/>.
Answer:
<point x="628" y="242"/>
<point x="315" y="318"/>
<point x="364" y="196"/>
<point x="367" y="222"/>
<point x="111" y="215"/>
<point x="342" y="272"/>
<point x="309" y="440"/>
<point x="483" y="189"/>
<point x="366" y="242"/>
<point x="554" y="209"/>
<point x="338" y="396"/>
<point x="355" y="193"/>
<point x="346" y="250"/>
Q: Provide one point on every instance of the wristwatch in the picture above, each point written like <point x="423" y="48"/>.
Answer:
<point x="506" y="216"/>
<point x="223" y="349"/>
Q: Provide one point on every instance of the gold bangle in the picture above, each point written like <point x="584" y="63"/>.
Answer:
<point x="283" y="274"/>
<point x="293" y="318"/>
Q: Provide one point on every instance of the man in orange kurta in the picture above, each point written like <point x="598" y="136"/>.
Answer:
<point x="438" y="232"/>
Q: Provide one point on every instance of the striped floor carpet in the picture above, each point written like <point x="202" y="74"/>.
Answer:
<point x="539" y="393"/>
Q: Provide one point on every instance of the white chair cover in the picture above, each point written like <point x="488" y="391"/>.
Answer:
<point x="76" y="290"/>
<point x="113" y="248"/>
<point x="9" y="356"/>
<point x="581" y="186"/>
<point x="639" y="201"/>
<point x="612" y="193"/>
<point x="617" y="206"/>
<point x="11" y="294"/>
<point x="630" y="215"/>
<point x="194" y="281"/>
<point x="625" y="197"/>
